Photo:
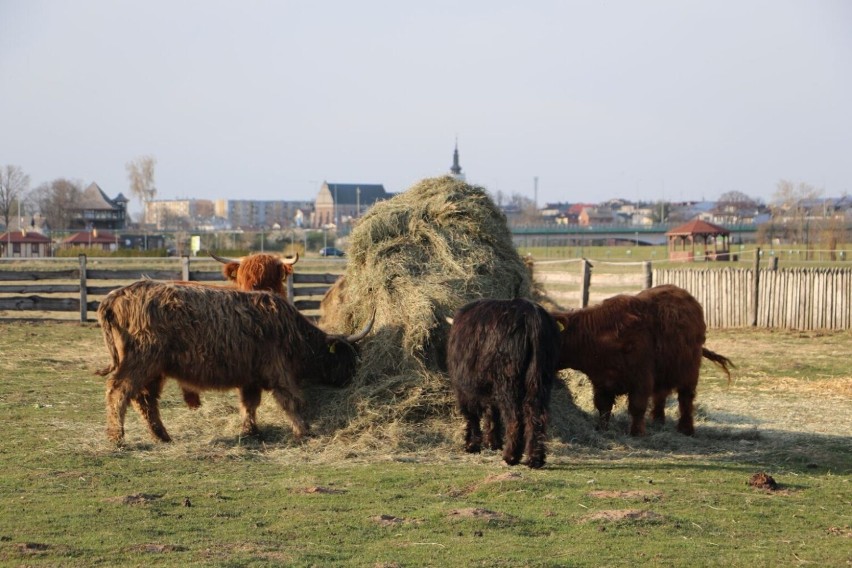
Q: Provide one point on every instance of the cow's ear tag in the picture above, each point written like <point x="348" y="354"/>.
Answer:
<point x="332" y="348"/>
<point x="561" y="327"/>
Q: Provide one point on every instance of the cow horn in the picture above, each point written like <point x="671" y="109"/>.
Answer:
<point x="449" y="320"/>
<point x="287" y="261"/>
<point x="223" y="259"/>
<point x="363" y="333"/>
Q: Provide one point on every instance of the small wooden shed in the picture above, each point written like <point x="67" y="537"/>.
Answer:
<point x="711" y="241"/>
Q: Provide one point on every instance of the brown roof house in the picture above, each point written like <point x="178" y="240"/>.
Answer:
<point x="94" y="239"/>
<point x="711" y="241"/>
<point x="24" y="244"/>
<point x="96" y="210"/>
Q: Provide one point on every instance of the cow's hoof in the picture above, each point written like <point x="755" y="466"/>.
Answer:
<point x="473" y="448"/>
<point x="536" y="463"/>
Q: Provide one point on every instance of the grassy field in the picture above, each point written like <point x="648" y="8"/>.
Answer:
<point x="68" y="498"/>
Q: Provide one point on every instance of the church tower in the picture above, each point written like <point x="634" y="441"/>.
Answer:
<point x="456" y="171"/>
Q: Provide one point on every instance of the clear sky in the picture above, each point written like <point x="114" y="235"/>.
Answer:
<point x="658" y="99"/>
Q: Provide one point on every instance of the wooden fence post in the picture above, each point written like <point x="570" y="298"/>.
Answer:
<point x="773" y="265"/>
<point x="586" y="271"/>
<point x="649" y="274"/>
<point x="184" y="268"/>
<point x="84" y="299"/>
<point x="291" y="290"/>
<point x="755" y="292"/>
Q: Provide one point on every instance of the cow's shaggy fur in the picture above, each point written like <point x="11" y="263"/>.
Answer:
<point x="501" y="357"/>
<point x="643" y="346"/>
<point x="255" y="272"/>
<point x="259" y="271"/>
<point x="681" y="332"/>
<point x="208" y="338"/>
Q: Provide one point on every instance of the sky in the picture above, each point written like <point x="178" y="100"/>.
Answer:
<point x="573" y="101"/>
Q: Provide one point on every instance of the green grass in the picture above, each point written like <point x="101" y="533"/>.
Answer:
<point x="69" y="498"/>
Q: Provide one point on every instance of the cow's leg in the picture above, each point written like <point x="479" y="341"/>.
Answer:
<point x="147" y="404"/>
<point x="472" y="431"/>
<point x="514" y="446"/>
<point x="535" y="427"/>
<point x="249" y="401"/>
<point x="292" y="404"/>
<point x="637" y="406"/>
<point x="492" y="431"/>
<point x="603" y="402"/>
<point x="191" y="398"/>
<point x="117" y="398"/>
<point x="658" y="410"/>
<point x="685" y="398"/>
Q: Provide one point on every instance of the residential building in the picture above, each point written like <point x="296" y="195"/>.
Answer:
<point x="96" y="210"/>
<point x="93" y="239"/>
<point x="24" y="244"/>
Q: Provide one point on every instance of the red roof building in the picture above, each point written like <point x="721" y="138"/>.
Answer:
<point x="711" y="241"/>
<point x="24" y="244"/>
<point x="94" y="239"/>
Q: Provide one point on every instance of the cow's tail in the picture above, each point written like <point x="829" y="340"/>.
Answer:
<point x="720" y="360"/>
<point x="107" y="320"/>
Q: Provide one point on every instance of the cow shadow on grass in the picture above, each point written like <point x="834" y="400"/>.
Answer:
<point x="719" y="436"/>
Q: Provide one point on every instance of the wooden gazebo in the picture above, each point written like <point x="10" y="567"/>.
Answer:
<point x="711" y="240"/>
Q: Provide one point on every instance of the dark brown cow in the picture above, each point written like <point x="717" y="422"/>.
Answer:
<point x="209" y="338"/>
<point x="681" y="332"/>
<point x="255" y="272"/>
<point x="644" y="346"/>
<point x="612" y="343"/>
<point x="501" y="357"/>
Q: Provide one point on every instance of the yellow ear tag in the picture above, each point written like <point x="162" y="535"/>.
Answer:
<point x="561" y="327"/>
<point x="332" y="347"/>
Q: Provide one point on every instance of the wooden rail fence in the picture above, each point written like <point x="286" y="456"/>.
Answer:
<point x="18" y="293"/>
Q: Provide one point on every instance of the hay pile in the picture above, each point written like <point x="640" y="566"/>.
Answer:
<point x="415" y="259"/>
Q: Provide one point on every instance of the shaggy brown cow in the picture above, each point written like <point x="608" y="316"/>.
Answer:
<point x="644" y="346"/>
<point x="259" y="271"/>
<point x="253" y="273"/>
<point x="681" y="332"/>
<point x="501" y="356"/>
<point x="612" y="343"/>
<point x="209" y="338"/>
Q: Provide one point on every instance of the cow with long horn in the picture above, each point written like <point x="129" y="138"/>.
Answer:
<point x="214" y="339"/>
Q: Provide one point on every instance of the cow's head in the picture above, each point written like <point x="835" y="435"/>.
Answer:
<point x="342" y="358"/>
<point x="258" y="271"/>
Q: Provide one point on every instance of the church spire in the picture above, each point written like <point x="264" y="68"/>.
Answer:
<point x="456" y="170"/>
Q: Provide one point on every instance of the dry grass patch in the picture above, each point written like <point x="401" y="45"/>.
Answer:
<point x="623" y="515"/>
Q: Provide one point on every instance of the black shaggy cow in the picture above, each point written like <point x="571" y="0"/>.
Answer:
<point x="501" y="357"/>
<point x="210" y="338"/>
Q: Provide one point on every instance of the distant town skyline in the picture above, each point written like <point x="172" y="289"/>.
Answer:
<point x="646" y="101"/>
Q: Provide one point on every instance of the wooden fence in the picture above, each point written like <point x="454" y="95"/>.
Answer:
<point x="801" y="298"/>
<point x="811" y="298"/>
<point x="70" y="290"/>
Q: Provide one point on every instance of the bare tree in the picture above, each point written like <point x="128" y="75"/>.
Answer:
<point x="14" y="183"/>
<point x="141" y="174"/>
<point x="790" y="204"/>
<point x="734" y="206"/>
<point x="56" y="201"/>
